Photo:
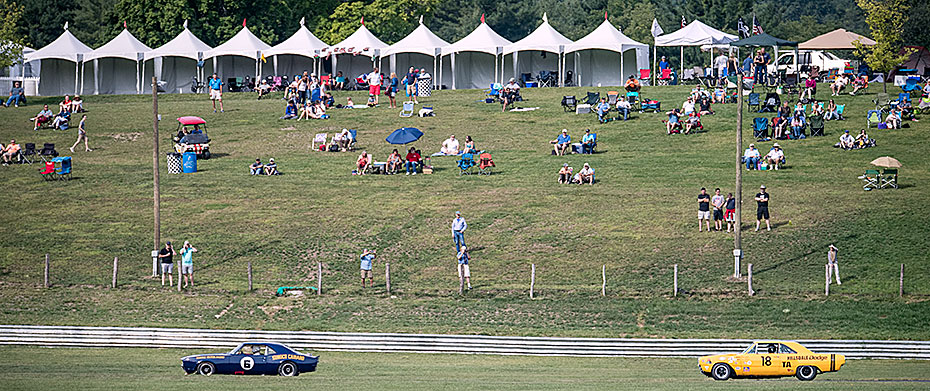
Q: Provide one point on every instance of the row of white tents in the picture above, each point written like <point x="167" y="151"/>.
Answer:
<point x="604" y="57"/>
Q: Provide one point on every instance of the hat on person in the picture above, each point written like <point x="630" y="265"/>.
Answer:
<point x="752" y="145"/>
<point x="586" y="165"/>
<point x="512" y="79"/>
<point x="564" y="164"/>
<point x="271" y="160"/>
<point x="762" y="187"/>
<point x="834" y="247"/>
<point x="187" y="243"/>
<point x="458" y="213"/>
<point x="776" y="145"/>
<point x="168" y="243"/>
<point x="847" y="130"/>
<point x="564" y="130"/>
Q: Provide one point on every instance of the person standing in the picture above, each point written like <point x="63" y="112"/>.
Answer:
<point x="167" y="263"/>
<point x="367" y="257"/>
<point x="216" y="91"/>
<point x="762" y="211"/>
<point x="703" y="209"/>
<point x="730" y="215"/>
<point x="833" y="265"/>
<point x="374" y="85"/>
<point x="464" y="271"/>
<point x="458" y="231"/>
<point x="392" y="90"/>
<point x="717" y="201"/>
<point x="411" y="81"/>
<point x="187" y="263"/>
<point x="82" y="135"/>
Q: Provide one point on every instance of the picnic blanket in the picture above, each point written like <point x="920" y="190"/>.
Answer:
<point x="519" y="109"/>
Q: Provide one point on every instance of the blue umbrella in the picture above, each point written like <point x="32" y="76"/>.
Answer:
<point x="404" y="136"/>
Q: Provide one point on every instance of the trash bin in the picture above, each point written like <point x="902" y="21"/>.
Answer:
<point x="190" y="162"/>
<point x="424" y="86"/>
<point x="174" y="162"/>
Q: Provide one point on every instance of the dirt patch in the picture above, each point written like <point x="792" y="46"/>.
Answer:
<point x="126" y="137"/>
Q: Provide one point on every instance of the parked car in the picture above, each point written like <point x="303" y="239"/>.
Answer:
<point x="252" y="358"/>
<point x="771" y="359"/>
<point x="807" y="59"/>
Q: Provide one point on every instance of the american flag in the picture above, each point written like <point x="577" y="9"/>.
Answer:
<point x="756" y="28"/>
<point x="683" y="22"/>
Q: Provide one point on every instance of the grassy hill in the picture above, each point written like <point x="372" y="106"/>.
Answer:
<point x="638" y="220"/>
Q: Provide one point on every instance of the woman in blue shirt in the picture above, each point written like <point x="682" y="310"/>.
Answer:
<point x="392" y="90"/>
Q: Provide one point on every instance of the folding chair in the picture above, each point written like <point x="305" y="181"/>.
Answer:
<point x="633" y="98"/>
<point x="64" y="171"/>
<point x="465" y="163"/>
<point x="839" y="110"/>
<point x="882" y="101"/>
<point x="485" y="163"/>
<point x="28" y="154"/>
<point x="407" y="110"/>
<point x="319" y="138"/>
<point x="889" y="178"/>
<point x="871" y="179"/>
<point x="699" y="75"/>
<point x="48" y="152"/>
<point x="753" y="101"/>
<point x="593" y="98"/>
<point x="569" y="103"/>
<point x="760" y="127"/>
<point x="873" y="117"/>
<point x="816" y="125"/>
<point x="612" y="97"/>
<point x="665" y="78"/>
<point x="688" y="74"/>
<point x="644" y="75"/>
<point x="49" y="173"/>
<point x="494" y="92"/>
<point x="911" y="84"/>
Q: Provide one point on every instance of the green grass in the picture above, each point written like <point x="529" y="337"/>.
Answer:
<point x="639" y="220"/>
<point x="31" y="368"/>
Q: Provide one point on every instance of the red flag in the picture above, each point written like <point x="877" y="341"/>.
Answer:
<point x="243" y="22"/>
<point x="482" y="18"/>
<point x="363" y="21"/>
<point x="124" y="24"/>
<point x="605" y="15"/>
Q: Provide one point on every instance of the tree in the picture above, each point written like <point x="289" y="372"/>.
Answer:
<point x="886" y="19"/>
<point x="389" y="20"/>
<point x="11" y="42"/>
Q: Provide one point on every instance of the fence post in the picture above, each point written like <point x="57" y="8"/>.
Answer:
<point x="249" y="271"/>
<point x="749" y="280"/>
<point x="115" y="268"/>
<point x="826" y="284"/>
<point x="46" y="270"/>
<point x="901" y="283"/>
<point x="532" y="278"/>
<point x="319" y="278"/>
<point x="604" y="280"/>
<point x="675" y="282"/>
<point x="387" y="276"/>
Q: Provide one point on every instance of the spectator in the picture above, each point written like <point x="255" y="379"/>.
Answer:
<point x="602" y="109"/>
<point x="216" y="91"/>
<point x="65" y="105"/>
<point x="374" y="85"/>
<point x="271" y="168"/>
<point x="565" y="174"/>
<point x="187" y="263"/>
<point x="450" y="146"/>
<point x="751" y="157"/>
<point x="470" y="145"/>
<point x="345" y="139"/>
<point x="413" y="160"/>
<point x="720" y="66"/>
<point x="859" y="84"/>
<point x="673" y="121"/>
<point x="758" y="66"/>
<point x="458" y="231"/>
<point x="60" y="119"/>
<point x="863" y="140"/>
<point x="82" y="135"/>
<point x="411" y="81"/>
<point x="512" y="85"/>
<point x="632" y="85"/>
<point x="257" y="167"/>
<point x="165" y="255"/>
<point x="926" y="90"/>
<point x="585" y="175"/>
<point x="717" y="201"/>
<point x="587" y="142"/>
<point x="775" y="156"/>
<point x="732" y="66"/>
<point x="464" y="271"/>
<point x="372" y="100"/>
<point x="561" y="143"/>
<point x="367" y="259"/>
<point x="362" y="162"/>
<point x="693" y="123"/>
<point x="663" y="64"/>
<point x="340" y="81"/>
<point x="624" y="107"/>
<point x="509" y="94"/>
<point x="704" y="104"/>
<point x="719" y="96"/>
<point x="810" y="88"/>
<point x="833" y="265"/>
<point x="779" y="125"/>
<point x="847" y="141"/>
<point x="797" y="125"/>
<point x="831" y="111"/>
<point x="839" y="84"/>
<point x="762" y="211"/>
<point x="747" y="64"/>
<point x="17" y="95"/>
<point x="893" y="120"/>
<point x="10" y="151"/>
<point x="703" y="210"/>
<point x="290" y="111"/>
<point x="42" y="118"/>
<point x="816" y="107"/>
<point x="263" y="88"/>
<point x="305" y="111"/>
<point x="392" y="91"/>
<point x="394" y="162"/>
<point x="766" y="60"/>
<point x="730" y="214"/>
<point x="688" y="106"/>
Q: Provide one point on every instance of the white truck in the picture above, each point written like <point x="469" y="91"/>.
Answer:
<point x="824" y="61"/>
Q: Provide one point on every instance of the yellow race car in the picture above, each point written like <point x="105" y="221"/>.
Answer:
<point x="771" y="359"/>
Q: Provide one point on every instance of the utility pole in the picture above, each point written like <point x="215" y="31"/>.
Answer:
<point x="737" y="239"/>
<point x="157" y="195"/>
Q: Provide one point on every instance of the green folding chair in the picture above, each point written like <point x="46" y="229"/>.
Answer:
<point x="889" y="178"/>
<point x="871" y="179"/>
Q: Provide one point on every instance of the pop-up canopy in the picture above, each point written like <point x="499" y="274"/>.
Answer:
<point x="297" y="53"/>
<point x="345" y="54"/>
<point x="419" y="47"/>
<point x="229" y="58"/>
<point x="838" y="39"/>
<point x="175" y="63"/>
<point x="121" y="63"/>
<point x="694" y="34"/>
<point x="543" y="40"/>
<point x="470" y="53"/>
<point x="599" y="66"/>
<point x="55" y="76"/>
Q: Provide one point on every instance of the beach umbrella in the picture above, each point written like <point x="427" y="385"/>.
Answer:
<point x="886" y="161"/>
<point x="404" y="136"/>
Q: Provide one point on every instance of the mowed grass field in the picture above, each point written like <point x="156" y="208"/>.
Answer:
<point x="638" y="220"/>
<point x="33" y="368"/>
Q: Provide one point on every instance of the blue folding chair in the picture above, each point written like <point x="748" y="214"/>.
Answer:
<point x="753" y="101"/>
<point x="873" y="117"/>
<point x="760" y="127"/>
<point x="465" y="163"/>
<point x="494" y="92"/>
<point x="904" y="97"/>
<point x="911" y="84"/>
<point x="63" y="171"/>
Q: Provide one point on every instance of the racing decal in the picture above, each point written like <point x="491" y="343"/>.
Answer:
<point x="247" y="363"/>
<point x="208" y="357"/>
<point x="287" y="357"/>
<point x="819" y="358"/>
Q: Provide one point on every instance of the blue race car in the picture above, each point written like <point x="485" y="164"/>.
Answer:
<point x="252" y="358"/>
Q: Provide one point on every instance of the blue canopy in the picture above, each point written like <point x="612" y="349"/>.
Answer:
<point x="404" y="136"/>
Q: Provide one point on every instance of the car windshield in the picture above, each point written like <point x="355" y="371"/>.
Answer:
<point x="750" y="350"/>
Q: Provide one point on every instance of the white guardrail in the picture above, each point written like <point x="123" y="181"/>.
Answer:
<point x="139" y="337"/>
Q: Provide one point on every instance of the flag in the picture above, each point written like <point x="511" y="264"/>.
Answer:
<point x="756" y="28"/>
<point x="421" y="19"/>
<point x="263" y="58"/>
<point x="656" y="29"/>
<point x="482" y="18"/>
<point x="545" y="18"/>
<point x="124" y="25"/>
<point x="605" y="15"/>
<point x="683" y="22"/>
<point x="363" y="21"/>
<point x="243" y="22"/>
<point x="742" y="28"/>
<point x="302" y="20"/>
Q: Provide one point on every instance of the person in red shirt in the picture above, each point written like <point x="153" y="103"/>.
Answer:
<point x="413" y="159"/>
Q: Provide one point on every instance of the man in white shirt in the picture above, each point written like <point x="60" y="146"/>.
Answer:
<point x="847" y="141"/>
<point x="624" y="107"/>
<point x="512" y="85"/>
<point x="776" y="156"/>
<point x="585" y="175"/>
<point x="751" y="157"/>
<point x="374" y="84"/>
<point x="450" y="146"/>
<point x="688" y="106"/>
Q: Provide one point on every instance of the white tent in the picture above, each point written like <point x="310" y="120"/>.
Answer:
<point x="120" y="61"/>
<point x="175" y="63"/>
<point x="417" y="49"/>
<point x="240" y="56"/>
<point x="356" y="54"/>
<point x="694" y="34"/>
<point x="471" y="67"/>
<point x="296" y="54"/>
<point x="56" y="77"/>
<point x="541" y="41"/>
<point x="597" y="56"/>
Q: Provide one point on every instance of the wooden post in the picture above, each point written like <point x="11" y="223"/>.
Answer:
<point x="46" y="270"/>
<point x="115" y="268"/>
<point x="532" y="278"/>
<point x="387" y="276"/>
<point x="604" y="280"/>
<point x="319" y="278"/>
<point x="901" y="283"/>
<point x="250" y="276"/>
<point x="749" y="280"/>
<point x="826" y="284"/>
<point x="157" y="195"/>
<point x="738" y="224"/>
<point x="675" y="282"/>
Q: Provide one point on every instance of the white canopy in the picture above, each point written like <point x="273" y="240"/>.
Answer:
<point x="421" y="40"/>
<point x="695" y="34"/>
<point x="544" y="39"/>
<point x="65" y="47"/>
<point x="175" y="63"/>
<point x="55" y="76"/>
<point x="483" y="39"/>
<point x="186" y="44"/>
<point x="302" y="43"/>
<point x="600" y="66"/>
<point x="244" y="44"/>
<point x="476" y="69"/>
<point x="361" y="42"/>
<point x="124" y="45"/>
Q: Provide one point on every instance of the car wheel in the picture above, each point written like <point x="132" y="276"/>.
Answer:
<point x="287" y="369"/>
<point x="721" y="371"/>
<point x="206" y="368"/>
<point x="206" y="155"/>
<point x="806" y="373"/>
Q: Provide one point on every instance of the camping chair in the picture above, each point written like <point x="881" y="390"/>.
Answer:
<point x="911" y="84"/>
<point x="753" y="101"/>
<point x="408" y="109"/>
<point x="677" y="127"/>
<point x="28" y="154"/>
<point x="871" y="179"/>
<point x="569" y="103"/>
<point x="354" y="133"/>
<point x="319" y="138"/>
<point x="648" y="104"/>
<point x="889" y="178"/>
<point x="465" y="164"/>
<point x="633" y="98"/>
<point x="816" y="125"/>
<point x="48" y="151"/>
<point x="688" y="74"/>
<point x="771" y="103"/>
<point x="700" y="76"/>
<point x="49" y="173"/>
<point x="644" y="75"/>
<point x="231" y="84"/>
<point x="665" y="78"/>
<point x="873" y="117"/>
<point x="485" y="163"/>
<point x="882" y="101"/>
<point x="593" y="98"/>
<point x="760" y="127"/>
<point x="904" y="97"/>
<point x="493" y="93"/>
<point x="612" y="97"/>
<point x="839" y="110"/>
<point x="360" y="83"/>
<point x="64" y="170"/>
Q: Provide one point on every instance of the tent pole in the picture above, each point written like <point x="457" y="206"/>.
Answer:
<point x="495" y="68"/>
<point x="516" y="57"/>
<point x="96" y="76"/>
<point x="453" y="71"/>
<point x="274" y="63"/>
<point x="576" y="75"/>
<point x="655" y="64"/>
<point x="682" y="63"/>
<point x="76" y="64"/>
<point x="439" y="85"/>
<point x="138" y="78"/>
<point x="621" y="65"/>
<point x="435" y="71"/>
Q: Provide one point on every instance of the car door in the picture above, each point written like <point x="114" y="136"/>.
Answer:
<point x="770" y="361"/>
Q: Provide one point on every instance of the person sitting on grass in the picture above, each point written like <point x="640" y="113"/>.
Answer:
<point x="602" y="109"/>
<point x="10" y="151"/>
<point x="372" y="101"/>
<point x="893" y="120"/>
<point x="263" y="89"/>
<point x="271" y="168"/>
<point x="587" y="142"/>
<point x="305" y="111"/>
<point x="561" y="143"/>
<point x="42" y="118"/>
<point x="290" y="111"/>
<point x="470" y="145"/>
<point x="585" y="175"/>
<point x="847" y="141"/>
<point x="863" y="140"/>
<point x="797" y="125"/>
<point x="565" y="174"/>
<point x="704" y="104"/>
<point x="413" y="160"/>
<point x="775" y="156"/>
<point x="349" y="103"/>
<point x="450" y="146"/>
<point x="688" y="106"/>
<point x="720" y="95"/>
<point x="65" y="105"/>
<point x="693" y="123"/>
<point x="61" y="119"/>
<point x="751" y="157"/>
<point x="362" y="162"/>
<point x="632" y="85"/>
<point x="318" y="111"/>
<point x="673" y="121"/>
<point x="830" y="111"/>
<point x="257" y="167"/>
<point x="17" y="95"/>
<point x="839" y="84"/>
<point x="394" y="162"/>
<point x="77" y="105"/>
<point x="810" y="89"/>
<point x="859" y="84"/>
<point x="340" y="81"/>
<point x="624" y="107"/>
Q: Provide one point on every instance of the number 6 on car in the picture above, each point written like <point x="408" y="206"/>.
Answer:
<point x="771" y="359"/>
<point x="252" y="358"/>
